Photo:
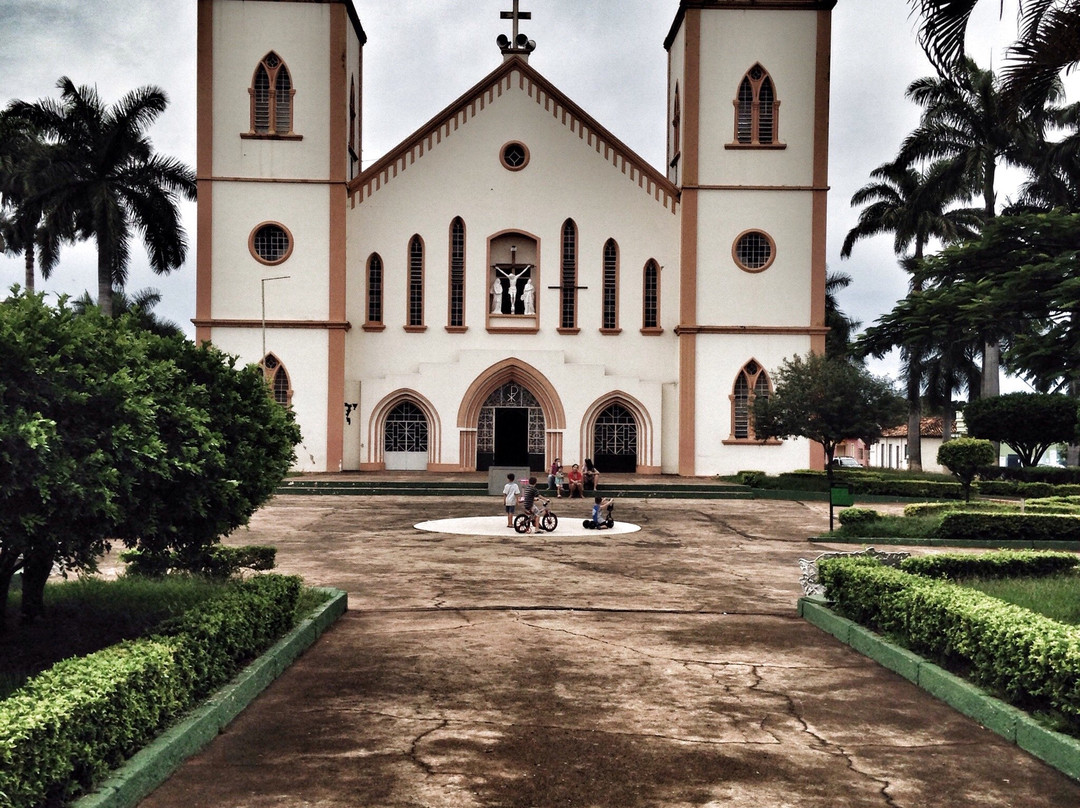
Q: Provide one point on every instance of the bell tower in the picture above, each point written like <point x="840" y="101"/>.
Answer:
<point x="748" y="123"/>
<point x="278" y="102"/>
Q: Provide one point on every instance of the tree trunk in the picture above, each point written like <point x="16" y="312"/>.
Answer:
<point x="29" y="270"/>
<point x="991" y="369"/>
<point x="104" y="284"/>
<point x="914" y="398"/>
<point x="37" y="565"/>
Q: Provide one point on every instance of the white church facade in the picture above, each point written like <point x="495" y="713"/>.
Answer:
<point x="511" y="283"/>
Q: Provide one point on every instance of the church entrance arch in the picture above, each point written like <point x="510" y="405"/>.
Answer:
<point x="510" y="415"/>
<point x="511" y="429"/>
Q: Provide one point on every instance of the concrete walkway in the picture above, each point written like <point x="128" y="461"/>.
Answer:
<point x="662" y="667"/>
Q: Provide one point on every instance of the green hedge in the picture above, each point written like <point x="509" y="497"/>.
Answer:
<point x="67" y="727"/>
<point x="1005" y="564"/>
<point x="1009" y="527"/>
<point x="939" y="508"/>
<point x="1008" y="488"/>
<point x="866" y="483"/>
<point x="1027" y="658"/>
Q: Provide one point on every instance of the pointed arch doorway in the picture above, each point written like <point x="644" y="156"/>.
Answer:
<point x="511" y="411"/>
<point x="511" y="429"/>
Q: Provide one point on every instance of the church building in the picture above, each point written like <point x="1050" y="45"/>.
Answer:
<point x="511" y="283"/>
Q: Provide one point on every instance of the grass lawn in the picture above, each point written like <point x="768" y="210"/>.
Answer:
<point x="1055" y="596"/>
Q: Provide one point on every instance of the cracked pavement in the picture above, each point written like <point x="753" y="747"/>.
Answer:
<point x="664" y="667"/>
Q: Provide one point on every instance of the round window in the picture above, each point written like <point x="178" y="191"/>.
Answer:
<point x="753" y="251"/>
<point x="270" y="243"/>
<point x="514" y="156"/>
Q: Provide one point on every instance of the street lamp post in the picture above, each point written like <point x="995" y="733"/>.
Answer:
<point x="262" y="359"/>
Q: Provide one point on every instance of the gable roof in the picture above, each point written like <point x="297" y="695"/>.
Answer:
<point x="515" y="71"/>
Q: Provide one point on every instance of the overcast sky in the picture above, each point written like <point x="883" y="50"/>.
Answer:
<point x="606" y="55"/>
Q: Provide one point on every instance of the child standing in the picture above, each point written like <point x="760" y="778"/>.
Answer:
<point x="560" y="481"/>
<point x="511" y="492"/>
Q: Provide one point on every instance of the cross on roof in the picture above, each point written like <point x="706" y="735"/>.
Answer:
<point x="515" y="15"/>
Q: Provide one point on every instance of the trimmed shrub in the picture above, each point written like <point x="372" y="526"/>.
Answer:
<point x="1009" y="527"/>
<point x="1006" y="564"/>
<point x="217" y="561"/>
<point x="1010" y="488"/>
<point x="854" y="517"/>
<point x="66" y="728"/>
<point x="939" y="508"/>
<point x="754" y="479"/>
<point x="1028" y="658"/>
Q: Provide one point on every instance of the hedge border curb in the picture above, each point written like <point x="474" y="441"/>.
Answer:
<point x="1068" y="546"/>
<point x="1056" y="749"/>
<point x="153" y="764"/>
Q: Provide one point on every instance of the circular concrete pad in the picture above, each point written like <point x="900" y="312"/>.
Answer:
<point x="496" y="526"/>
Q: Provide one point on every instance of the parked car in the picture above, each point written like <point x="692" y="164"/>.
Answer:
<point x="847" y="463"/>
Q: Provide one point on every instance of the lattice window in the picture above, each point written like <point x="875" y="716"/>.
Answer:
<point x="609" y="317"/>
<point x="416" y="282"/>
<point x="271" y="94"/>
<point x="751" y="383"/>
<point x="757" y="111"/>
<point x="457" y="273"/>
<point x="568" y="281"/>
<point x="651" y="296"/>
<point x="375" y="289"/>
<point x="406" y="429"/>
<point x="753" y="251"/>
<point x="270" y="243"/>
<point x="616" y="432"/>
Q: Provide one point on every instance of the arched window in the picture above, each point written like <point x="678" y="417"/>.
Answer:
<point x="416" y="284"/>
<point x="271" y="94"/>
<point x="615" y="440"/>
<point x="457" y="274"/>
<point x="568" y="279"/>
<point x="278" y="380"/>
<point x="752" y="383"/>
<point x="650" y="298"/>
<point x="406" y="429"/>
<point x="374" y="291"/>
<point x="675" y="149"/>
<point x="609" y="320"/>
<point x="757" y="111"/>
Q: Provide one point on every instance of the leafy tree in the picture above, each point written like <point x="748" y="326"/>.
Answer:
<point x="964" y="457"/>
<point x="99" y="178"/>
<point x="827" y="401"/>
<point x="1047" y="43"/>
<point x="912" y="205"/>
<point x="109" y="431"/>
<point x="1029" y="423"/>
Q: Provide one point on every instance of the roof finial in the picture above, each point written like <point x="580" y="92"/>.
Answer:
<point x="519" y="45"/>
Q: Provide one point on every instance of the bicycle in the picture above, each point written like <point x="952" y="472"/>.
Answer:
<point x="545" y="519"/>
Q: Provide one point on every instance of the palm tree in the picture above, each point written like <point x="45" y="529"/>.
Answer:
<point x="139" y="305"/>
<point x="1054" y="167"/>
<point x="99" y="178"/>
<point x="841" y="327"/>
<point x="22" y="227"/>
<point x="967" y="127"/>
<point x="1048" y="43"/>
<point x="912" y="205"/>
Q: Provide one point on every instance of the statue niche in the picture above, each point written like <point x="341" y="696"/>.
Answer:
<point x="512" y="290"/>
